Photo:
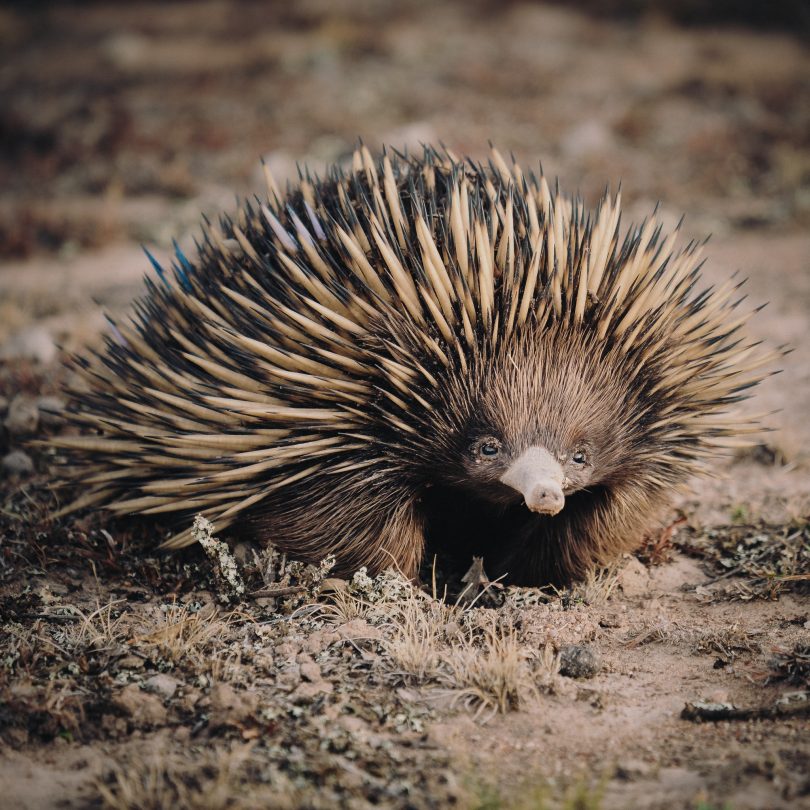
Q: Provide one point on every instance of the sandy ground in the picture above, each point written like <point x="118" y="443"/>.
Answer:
<point x="125" y="682"/>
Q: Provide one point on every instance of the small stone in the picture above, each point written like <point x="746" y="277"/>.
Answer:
<point x="143" y="708"/>
<point x="17" y="463"/>
<point x="130" y="662"/>
<point x="579" y="661"/>
<point x="3" y="405"/>
<point x="357" y="630"/>
<point x="634" y="578"/>
<point x="307" y="692"/>
<point x="51" y="411"/>
<point x="334" y="585"/>
<point x="162" y="685"/>
<point x="22" y="417"/>
<point x="452" y="630"/>
<point x="311" y="672"/>
<point x="34" y="343"/>
<point x="631" y="769"/>
<point x="289" y="677"/>
<point x="611" y="619"/>
<point x="229" y="707"/>
<point x="319" y="640"/>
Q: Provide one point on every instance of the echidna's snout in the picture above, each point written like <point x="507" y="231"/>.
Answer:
<point x="538" y="477"/>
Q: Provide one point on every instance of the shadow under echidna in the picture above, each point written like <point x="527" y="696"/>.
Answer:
<point x="419" y="349"/>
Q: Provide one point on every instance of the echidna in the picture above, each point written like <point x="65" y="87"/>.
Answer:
<point x="419" y="349"/>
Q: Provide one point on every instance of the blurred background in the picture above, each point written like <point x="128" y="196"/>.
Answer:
<point x="122" y="123"/>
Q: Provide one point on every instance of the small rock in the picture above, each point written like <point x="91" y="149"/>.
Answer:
<point x="23" y="416"/>
<point x="452" y="630"/>
<point x="34" y="343"/>
<point x="163" y="685"/>
<point x="319" y="640"/>
<point x="718" y="696"/>
<point x="130" y="662"/>
<point x="631" y="769"/>
<point x="579" y="661"/>
<point x="17" y="463"/>
<point x="51" y="411"/>
<point x="611" y="619"/>
<point x="229" y="707"/>
<point x="307" y="692"/>
<point x="3" y="405"/>
<point x="289" y="676"/>
<point x="126" y="51"/>
<point x="334" y="585"/>
<point x="188" y="700"/>
<point x="357" y="629"/>
<point x="143" y="708"/>
<point x="311" y="672"/>
<point x="634" y="578"/>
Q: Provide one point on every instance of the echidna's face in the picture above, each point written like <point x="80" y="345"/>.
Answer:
<point x="541" y="476"/>
<point x="541" y="425"/>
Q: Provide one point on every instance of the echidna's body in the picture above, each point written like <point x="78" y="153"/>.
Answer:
<point x="419" y="348"/>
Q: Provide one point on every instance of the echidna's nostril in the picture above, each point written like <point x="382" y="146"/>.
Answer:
<point x="545" y="500"/>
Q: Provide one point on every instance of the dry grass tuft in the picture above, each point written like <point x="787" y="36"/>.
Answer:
<point x="413" y="641"/>
<point x="791" y="667"/>
<point x="185" y="635"/>
<point x="464" y="655"/>
<point x="597" y="588"/>
<point x="104" y="628"/>
<point x="217" y="782"/>
<point x="753" y="561"/>
<point x="490" y="672"/>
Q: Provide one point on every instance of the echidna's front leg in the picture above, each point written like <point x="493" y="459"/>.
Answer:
<point x="362" y="525"/>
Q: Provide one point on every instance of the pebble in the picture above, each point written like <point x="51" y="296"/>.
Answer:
<point x="17" y="463"/>
<point x="306" y="692"/>
<point x="163" y="685"/>
<point x="34" y="343"/>
<point x="229" y="707"/>
<point x="631" y="769"/>
<point x="634" y="578"/>
<point x="311" y="672"/>
<point x="146" y="709"/>
<point x="579" y="661"/>
<point x="23" y="416"/>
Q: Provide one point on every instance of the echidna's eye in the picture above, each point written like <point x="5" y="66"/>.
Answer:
<point x="578" y="457"/>
<point x="490" y="449"/>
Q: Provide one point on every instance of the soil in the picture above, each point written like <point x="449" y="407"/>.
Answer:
<point x="127" y="681"/>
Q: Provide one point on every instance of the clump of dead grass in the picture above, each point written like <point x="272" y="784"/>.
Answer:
<point x="753" y="561"/>
<point x="491" y="672"/>
<point x="183" y="635"/>
<point x="727" y="642"/>
<point x="215" y="782"/>
<point x="288" y="584"/>
<point x="104" y="628"/>
<point x="791" y="667"/>
<point x="462" y="656"/>
<point x="597" y="587"/>
<point x="413" y="641"/>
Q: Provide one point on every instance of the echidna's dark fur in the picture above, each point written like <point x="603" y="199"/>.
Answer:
<point x="323" y="374"/>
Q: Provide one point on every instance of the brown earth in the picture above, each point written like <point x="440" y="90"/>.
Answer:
<point x="121" y="123"/>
